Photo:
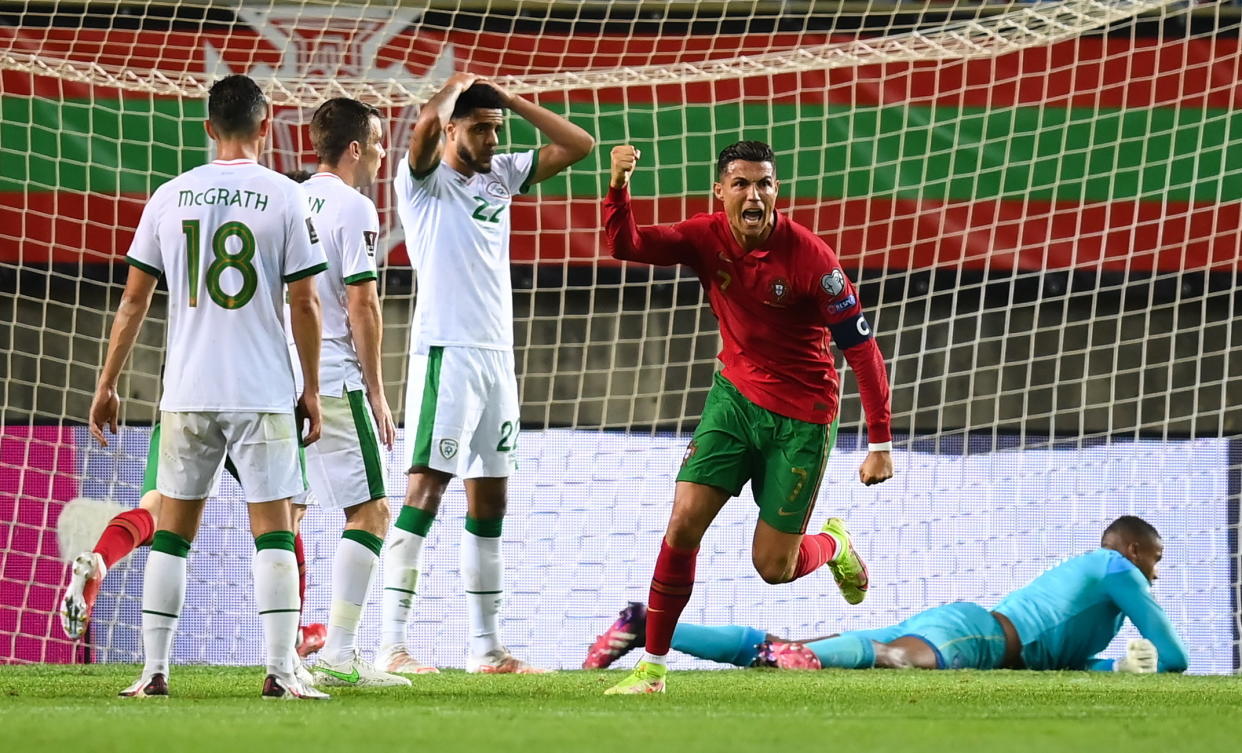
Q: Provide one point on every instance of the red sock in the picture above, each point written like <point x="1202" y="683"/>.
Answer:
<point x="671" y="586"/>
<point x="813" y="552"/>
<point x="125" y="533"/>
<point x="300" y="555"/>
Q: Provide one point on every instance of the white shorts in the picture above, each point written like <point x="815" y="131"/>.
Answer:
<point x="461" y="411"/>
<point x="345" y="467"/>
<point x="263" y="449"/>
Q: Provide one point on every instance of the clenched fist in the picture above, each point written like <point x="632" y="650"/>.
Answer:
<point x="624" y="158"/>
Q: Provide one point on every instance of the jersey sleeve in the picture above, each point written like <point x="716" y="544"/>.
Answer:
<point x="515" y="169"/>
<point x="144" y="251"/>
<point x="360" y="236"/>
<point x="838" y="303"/>
<point x="304" y="255"/>
<point x="662" y="245"/>
<point x="407" y="185"/>
<point x="1130" y="591"/>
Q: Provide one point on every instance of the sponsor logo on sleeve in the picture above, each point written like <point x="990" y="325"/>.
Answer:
<point x="843" y="304"/>
<point x="310" y="229"/>
<point x="833" y="283"/>
<point x="369" y="237"/>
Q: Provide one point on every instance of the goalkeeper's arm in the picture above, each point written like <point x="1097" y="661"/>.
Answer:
<point x="1131" y="592"/>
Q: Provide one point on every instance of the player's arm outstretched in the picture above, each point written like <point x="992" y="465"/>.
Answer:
<point x="663" y="245"/>
<point x="1131" y="592"/>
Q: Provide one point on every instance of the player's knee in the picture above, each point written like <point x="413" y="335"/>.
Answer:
<point x="892" y="657"/>
<point x="774" y="570"/>
<point x="371" y="516"/>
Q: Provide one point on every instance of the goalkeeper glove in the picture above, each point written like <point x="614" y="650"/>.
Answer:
<point x="1141" y="658"/>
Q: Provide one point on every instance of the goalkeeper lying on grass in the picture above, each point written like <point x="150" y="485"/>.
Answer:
<point x="1061" y="620"/>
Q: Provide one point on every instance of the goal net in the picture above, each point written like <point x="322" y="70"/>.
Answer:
<point x="1040" y="203"/>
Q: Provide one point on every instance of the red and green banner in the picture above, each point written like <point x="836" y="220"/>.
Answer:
<point x="1107" y="154"/>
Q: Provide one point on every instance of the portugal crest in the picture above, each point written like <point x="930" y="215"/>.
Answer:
<point x="780" y="286"/>
<point x="690" y="450"/>
<point x="448" y="448"/>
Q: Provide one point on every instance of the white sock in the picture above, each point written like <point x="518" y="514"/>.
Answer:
<point x="276" y="595"/>
<point x="404" y="552"/>
<point x="163" y="593"/>
<point x="352" y="569"/>
<point x="482" y="573"/>
<point x="653" y="659"/>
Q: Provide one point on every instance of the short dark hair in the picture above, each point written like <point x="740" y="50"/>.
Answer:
<point x="235" y="106"/>
<point x="298" y="176"/>
<point x="747" y="151"/>
<point x="1131" y="527"/>
<point x="479" y="95"/>
<point x="338" y="123"/>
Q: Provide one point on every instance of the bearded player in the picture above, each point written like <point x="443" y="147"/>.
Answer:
<point x="1061" y="620"/>
<point x="780" y="295"/>
<point x="453" y="195"/>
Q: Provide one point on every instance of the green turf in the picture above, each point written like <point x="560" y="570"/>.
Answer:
<point x="46" y="708"/>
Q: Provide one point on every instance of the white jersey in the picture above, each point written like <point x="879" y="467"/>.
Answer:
<point x="348" y="227"/>
<point x="457" y="235"/>
<point x="227" y="236"/>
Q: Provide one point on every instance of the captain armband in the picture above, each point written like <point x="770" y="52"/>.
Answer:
<point x="851" y="332"/>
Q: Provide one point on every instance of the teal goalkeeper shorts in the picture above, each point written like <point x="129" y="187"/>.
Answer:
<point x="963" y="635"/>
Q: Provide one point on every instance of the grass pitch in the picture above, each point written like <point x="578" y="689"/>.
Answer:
<point x="52" y="708"/>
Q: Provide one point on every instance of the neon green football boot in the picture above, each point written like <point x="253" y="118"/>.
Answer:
<point x="848" y="569"/>
<point x="646" y="678"/>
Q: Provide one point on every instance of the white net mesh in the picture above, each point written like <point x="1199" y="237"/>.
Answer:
<point x="1040" y="203"/>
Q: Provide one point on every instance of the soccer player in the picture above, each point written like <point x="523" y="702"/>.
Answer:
<point x="780" y="295"/>
<point x="1061" y="620"/>
<point x="345" y="467"/>
<point x="462" y="415"/>
<point x="227" y="237"/>
<point x="131" y="529"/>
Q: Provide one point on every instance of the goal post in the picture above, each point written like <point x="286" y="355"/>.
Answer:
<point x="1040" y="203"/>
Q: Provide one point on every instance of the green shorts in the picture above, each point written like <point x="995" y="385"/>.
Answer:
<point x="783" y="458"/>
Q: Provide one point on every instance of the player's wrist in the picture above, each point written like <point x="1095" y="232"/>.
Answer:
<point x="880" y="446"/>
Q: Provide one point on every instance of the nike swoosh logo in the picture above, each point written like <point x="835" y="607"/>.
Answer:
<point x="350" y="678"/>
<point x="781" y="511"/>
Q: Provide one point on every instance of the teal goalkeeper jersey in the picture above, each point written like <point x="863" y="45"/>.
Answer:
<point x="1072" y="612"/>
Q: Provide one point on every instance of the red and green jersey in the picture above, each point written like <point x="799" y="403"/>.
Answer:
<point x="778" y="306"/>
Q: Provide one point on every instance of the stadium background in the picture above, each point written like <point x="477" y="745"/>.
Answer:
<point x="990" y="207"/>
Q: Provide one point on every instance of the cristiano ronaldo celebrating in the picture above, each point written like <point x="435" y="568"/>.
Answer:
<point x="780" y="295"/>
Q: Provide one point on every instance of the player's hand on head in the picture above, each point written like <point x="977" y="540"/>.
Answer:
<point x="104" y="409"/>
<point x="877" y="467"/>
<point x="1141" y="658"/>
<point x="309" y="417"/>
<point x="506" y="96"/>
<point x="383" y="420"/>
<point x="624" y="158"/>
<point x="463" y="80"/>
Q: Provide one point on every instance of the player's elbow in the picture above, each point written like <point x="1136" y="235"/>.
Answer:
<point x="1175" y="661"/>
<point x="583" y="144"/>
